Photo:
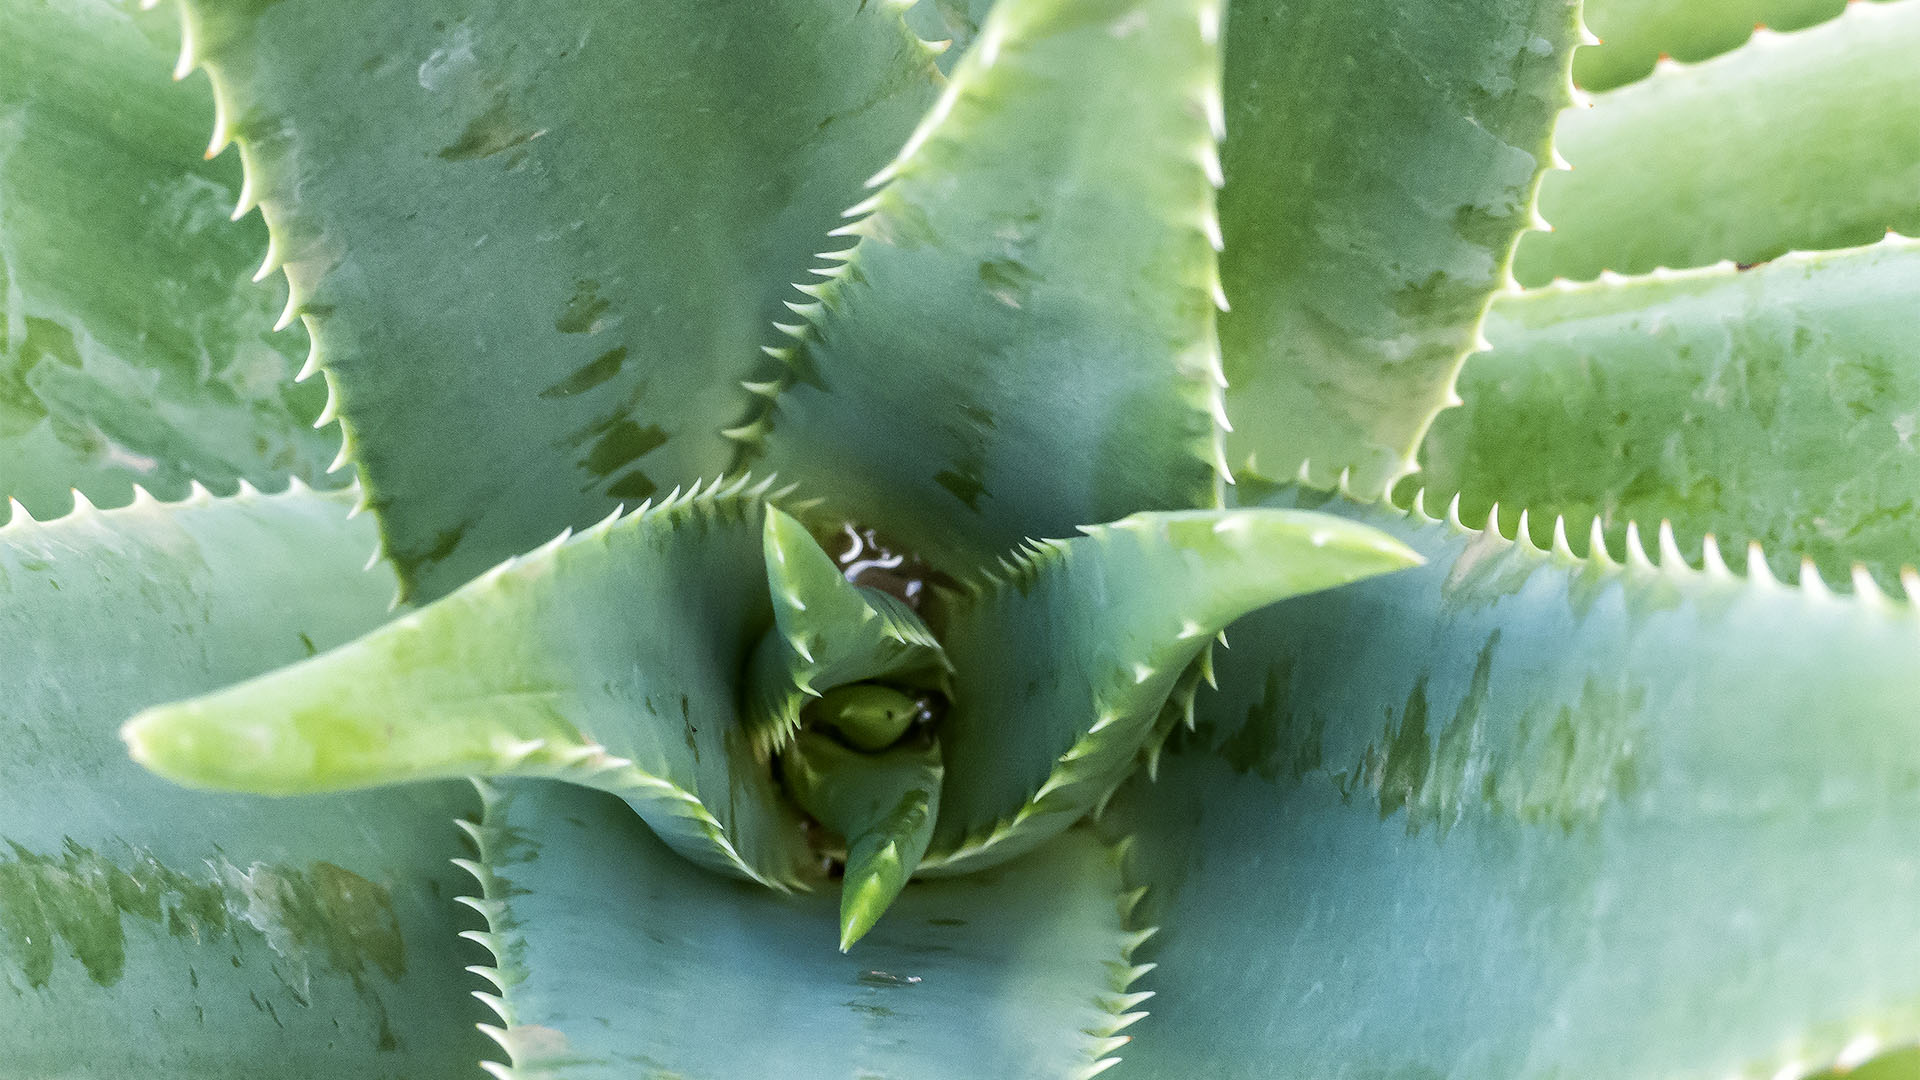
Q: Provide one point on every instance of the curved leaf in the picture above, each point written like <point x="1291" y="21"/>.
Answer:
<point x="153" y="932"/>
<point x="1021" y="340"/>
<point x="1021" y="972"/>
<point x="1797" y="141"/>
<point x="1513" y="814"/>
<point x="534" y="265"/>
<point x="1776" y="404"/>
<point x="881" y="803"/>
<point x="1381" y="163"/>
<point x="1634" y="34"/>
<point x="827" y="632"/>
<point x="132" y="348"/>
<point x="613" y="659"/>
<point x="1064" y="661"/>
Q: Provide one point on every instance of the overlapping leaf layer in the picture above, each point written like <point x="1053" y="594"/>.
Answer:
<point x="1521" y="812"/>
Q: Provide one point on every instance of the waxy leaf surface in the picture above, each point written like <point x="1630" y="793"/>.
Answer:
<point x="1796" y="141"/>
<point x="133" y="348"/>
<point x="1776" y="404"/>
<point x="1021" y="971"/>
<point x="538" y="245"/>
<point x="1512" y="814"/>
<point x="155" y="932"/>
<point x="1064" y="660"/>
<point x="1381" y="161"/>
<point x="1022" y="340"/>
<point x="613" y="658"/>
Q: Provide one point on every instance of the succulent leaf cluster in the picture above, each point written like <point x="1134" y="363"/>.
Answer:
<point x="1188" y="538"/>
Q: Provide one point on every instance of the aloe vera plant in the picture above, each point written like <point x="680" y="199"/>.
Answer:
<point x="1056" y="637"/>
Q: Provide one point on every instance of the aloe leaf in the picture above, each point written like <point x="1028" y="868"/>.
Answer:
<point x="700" y="978"/>
<point x="1064" y="660"/>
<point x="881" y="803"/>
<point x="1797" y="141"/>
<point x="1776" y="404"/>
<point x="1515" y="814"/>
<point x="534" y="267"/>
<point x="132" y="348"/>
<point x="612" y="658"/>
<point x="1381" y="163"/>
<point x="1636" y="33"/>
<point x="305" y="938"/>
<point x="827" y="633"/>
<point x="1021" y="339"/>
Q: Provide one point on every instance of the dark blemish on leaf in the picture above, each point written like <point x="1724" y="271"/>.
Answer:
<point x="604" y="367"/>
<point x="1006" y="280"/>
<point x="584" y="307"/>
<point x="965" y="486"/>
<point x="621" y="445"/>
<point x="633" y="486"/>
<point x="443" y="545"/>
<point x="307" y="644"/>
<point x="879" y="1012"/>
<point x="490" y="133"/>
<point x="78" y="903"/>
<point x="946" y="922"/>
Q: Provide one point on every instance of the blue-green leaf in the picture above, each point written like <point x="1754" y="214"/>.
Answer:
<point x="133" y="350"/>
<point x="1020" y="972"/>
<point x="1021" y="339"/>
<point x="1381" y="161"/>
<point x="147" y="931"/>
<point x="613" y="658"/>
<point x="1064" y="661"/>
<point x="1514" y="814"/>
<point x="535" y="262"/>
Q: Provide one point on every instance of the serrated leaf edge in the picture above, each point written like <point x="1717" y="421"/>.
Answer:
<point x="1206" y="378"/>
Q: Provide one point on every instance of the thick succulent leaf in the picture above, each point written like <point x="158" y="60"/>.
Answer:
<point x="882" y="804"/>
<point x="154" y="932"/>
<point x="612" y="659"/>
<point x="1019" y="972"/>
<point x="1022" y="339"/>
<point x="1064" y="661"/>
<point x="535" y="264"/>
<point x="827" y="632"/>
<point x="1516" y="815"/>
<point x="1776" y="404"/>
<point x="1382" y="162"/>
<point x="132" y="348"/>
<point x="1802" y="140"/>
<point x="1634" y="34"/>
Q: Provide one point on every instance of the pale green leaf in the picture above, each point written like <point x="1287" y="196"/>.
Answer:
<point x="1021" y="972"/>
<point x="881" y="804"/>
<point x="147" y="931"/>
<point x="1636" y="33"/>
<point x="1381" y="161"/>
<point x="133" y="349"/>
<point x="1797" y="141"/>
<point x="1776" y="405"/>
<point x="1516" y="815"/>
<point x="827" y="633"/>
<point x="1064" y="661"/>
<point x="1021" y="340"/>
<point x="538" y="245"/>
<point x="613" y="658"/>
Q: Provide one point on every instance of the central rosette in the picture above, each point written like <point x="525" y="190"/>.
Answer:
<point x="709" y="663"/>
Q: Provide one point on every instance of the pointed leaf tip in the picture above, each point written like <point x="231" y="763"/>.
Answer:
<point x="881" y="803"/>
<point x="1023" y="766"/>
